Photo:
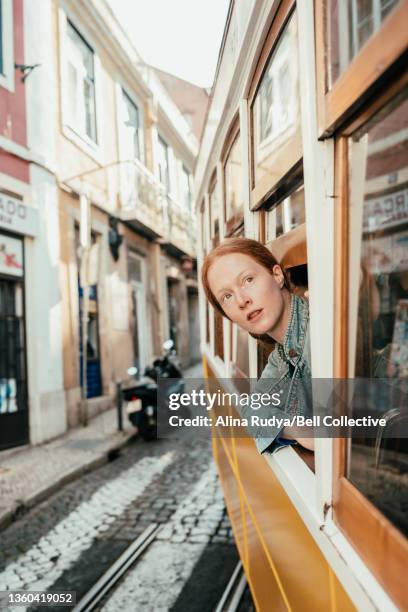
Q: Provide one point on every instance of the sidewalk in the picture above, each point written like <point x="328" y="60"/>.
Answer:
<point x="30" y="474"/>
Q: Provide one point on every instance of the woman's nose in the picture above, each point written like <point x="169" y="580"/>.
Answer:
<point x="243" y="300"/>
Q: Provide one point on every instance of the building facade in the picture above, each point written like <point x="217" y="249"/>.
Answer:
<point x="30" y="341"/>
<point x="99" y="159"/>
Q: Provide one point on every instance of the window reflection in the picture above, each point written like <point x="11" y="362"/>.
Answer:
<point x="379" y="190"/>
<point x="350" y="24"/>
<point x="286" y="216"/>
<point x="214" y="215"/>
<point x="276" y="113"/>
<point x="234" y="206"/>
<point x="131" y="128"/>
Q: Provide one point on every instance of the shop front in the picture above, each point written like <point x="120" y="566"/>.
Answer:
<point x="16" y="220"/>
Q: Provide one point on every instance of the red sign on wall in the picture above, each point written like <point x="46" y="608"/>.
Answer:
<point x="11" y="256"/>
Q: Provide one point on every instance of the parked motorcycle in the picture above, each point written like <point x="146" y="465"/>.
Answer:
<point x="167" y="366"/>
<point x="142" y="398"/>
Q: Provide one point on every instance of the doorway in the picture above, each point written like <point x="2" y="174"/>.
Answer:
<point x="139" y="326"/>
<point x="13" y="373"/>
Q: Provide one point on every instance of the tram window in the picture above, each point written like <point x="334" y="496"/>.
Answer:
<point x="214" y="214"/>
<point x="378" y="158"/>
<point x="276" y="131"/>
<point x="287" y="215"/>
<point x="349" y="26"/>
<point x="234" y="205"/>
<point x="202" y="227"/>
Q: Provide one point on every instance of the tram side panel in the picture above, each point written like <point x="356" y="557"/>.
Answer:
<point x="283" y="563"/>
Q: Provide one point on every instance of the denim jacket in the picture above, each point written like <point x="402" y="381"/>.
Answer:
<point x="289" y="368"/>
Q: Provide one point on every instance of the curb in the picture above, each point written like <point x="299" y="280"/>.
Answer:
<point x="20" y="508"/>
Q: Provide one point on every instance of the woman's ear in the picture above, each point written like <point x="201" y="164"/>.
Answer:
<point x="278" y="275"/>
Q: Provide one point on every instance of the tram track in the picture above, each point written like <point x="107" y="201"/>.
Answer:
<point x="118" y="569"/>
<point x="228" y="602"/>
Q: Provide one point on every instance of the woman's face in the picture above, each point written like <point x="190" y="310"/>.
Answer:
<point x="247" y="292"/>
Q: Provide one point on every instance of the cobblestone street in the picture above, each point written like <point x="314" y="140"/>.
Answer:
<point x="68" y="541"/>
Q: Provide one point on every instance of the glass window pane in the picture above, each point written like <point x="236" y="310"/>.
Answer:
<point x="186" y="188"/>
<point x="134" y="268"/>
<point x="163" y="163"/>
<point x="349" y="24"/>
<point x="286" y="216"/>
<point x="81" y="84"/>
<point x="214" y="215"/>
<point x="276" y="111"/>
<point x="84" y="50"/>
<point x="234" y="205"/>
<point x="130" y="128"/>
<point x="90" y="119"/>
<point x="379" y="207"/>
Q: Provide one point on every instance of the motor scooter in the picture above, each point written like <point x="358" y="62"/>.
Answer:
<point x="142" y="398"/>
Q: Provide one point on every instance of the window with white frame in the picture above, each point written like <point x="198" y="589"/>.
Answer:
<point x="6" y="45"/>
<point x="186" y="188"/>
<point x="131" y="128"/>
<point x="81" y="84"/>
<point x="163" y="163"/>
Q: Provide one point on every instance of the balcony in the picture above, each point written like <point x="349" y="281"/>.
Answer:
<point x="143" y="201"/>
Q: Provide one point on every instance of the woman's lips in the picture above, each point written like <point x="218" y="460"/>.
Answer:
<point x="255" y="314"/>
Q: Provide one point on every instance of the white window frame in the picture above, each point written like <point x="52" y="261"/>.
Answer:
<point x="7" y="42"/>
<point x="79" y="138"/>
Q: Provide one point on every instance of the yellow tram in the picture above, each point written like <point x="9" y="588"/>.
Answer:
<point x="306" y="150"/>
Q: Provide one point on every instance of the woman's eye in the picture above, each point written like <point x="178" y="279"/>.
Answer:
<point x="249" y="279"/>
<point x="226" y="297"/>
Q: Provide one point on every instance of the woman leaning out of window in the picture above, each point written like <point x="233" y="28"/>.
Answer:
<point x="244" y="282"/>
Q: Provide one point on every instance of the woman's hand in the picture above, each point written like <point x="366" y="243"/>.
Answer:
<point x="306" y="443"/>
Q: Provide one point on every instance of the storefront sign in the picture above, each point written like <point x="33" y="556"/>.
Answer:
<point x="17" y="216"/>
<point x="11" y="256"/>
<point x="386" y="211"/>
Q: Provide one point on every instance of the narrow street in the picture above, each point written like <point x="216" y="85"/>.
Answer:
<point x="68" y="541"/>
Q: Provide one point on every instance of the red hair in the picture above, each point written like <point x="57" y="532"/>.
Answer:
<point x="244" y="246"/>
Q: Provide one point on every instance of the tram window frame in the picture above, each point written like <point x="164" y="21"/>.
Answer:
<point x="214" y="322"/>
<point x="234" y="225"/>
<point x="359" y="519"/>
<point x="290" y="155"/>
<point x="215" y="235"/>
<point x="365" y="73"/>
<point x="293" y="247"/>
<point x="290" y="248"/>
